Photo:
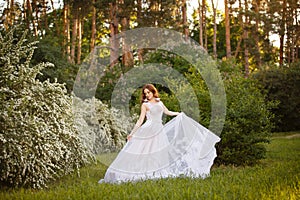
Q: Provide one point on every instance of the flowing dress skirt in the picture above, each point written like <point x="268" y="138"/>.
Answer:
<point x="181" y="147"/>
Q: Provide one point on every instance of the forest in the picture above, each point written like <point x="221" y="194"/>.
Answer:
<point x="49" y="129"/>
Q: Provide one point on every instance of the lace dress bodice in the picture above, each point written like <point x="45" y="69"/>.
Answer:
<point x="155" y="112"/>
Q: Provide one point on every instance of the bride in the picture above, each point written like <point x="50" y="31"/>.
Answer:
<point x="181" y="147"/>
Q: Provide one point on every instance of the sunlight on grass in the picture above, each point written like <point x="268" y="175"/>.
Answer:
<point x="276" y="177"/>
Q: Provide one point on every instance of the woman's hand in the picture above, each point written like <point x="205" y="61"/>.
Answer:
<point x="129" y="136"/>
<point x="177" y="113"/>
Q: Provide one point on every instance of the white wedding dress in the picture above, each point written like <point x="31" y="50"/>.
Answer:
<point x="181" y="147"/>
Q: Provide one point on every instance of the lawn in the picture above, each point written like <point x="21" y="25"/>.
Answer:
<point x="276" y="177"/>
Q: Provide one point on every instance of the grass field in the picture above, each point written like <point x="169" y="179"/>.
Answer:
<point x="276" y="177"/>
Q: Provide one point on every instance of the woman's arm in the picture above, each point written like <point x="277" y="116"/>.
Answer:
<point x="139" y="122"/>
<point x="168" y="112"/>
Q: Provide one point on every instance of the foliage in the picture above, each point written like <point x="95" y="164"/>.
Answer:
<point x="247" y="124"/>
<point x="107" y="83"/>
<point x="49" y="50"/>
<point x="248" y="117"/>
<point x="38" y="140"/>
<point x="277" y="177"/>
<point x="283" y="85"/>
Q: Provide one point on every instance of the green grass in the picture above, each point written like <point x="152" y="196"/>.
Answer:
<point x="276" y="177"/>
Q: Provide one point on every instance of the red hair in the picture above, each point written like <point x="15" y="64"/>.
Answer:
<point x="152" y="89"/>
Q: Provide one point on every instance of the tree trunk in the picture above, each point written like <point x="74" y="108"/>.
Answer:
<point x="139" y="16"/>
<point x="113" y="26"/>
<point x="240" y="18"/>
<point x="184" y="20"/>
<point x="94" y="30"/>
<point x="204" y="23"/>
<point x="256" y="5"/>
<point x="74" y="33"/>
<point x="215" y="29"/>
<point x="282" y="33"/>
<point x="200" y="11"/>
<point x="246" y="35"/>
<point x="66" y="31"/>
<point x="296" y="35"/>
<point x="227" y="30"/>
<point x="11" y="18"/>
<point x="127" y="57"/>
<point x="292" y="31"/>
<point x="79" y="39"/>
<point x="29" y="16"/>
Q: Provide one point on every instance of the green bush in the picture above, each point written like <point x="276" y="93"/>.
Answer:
<point x="248" y="123"/>
<point x="283" y="85"/>
<point x="38" y="140"/>
<point x="248" y="117"/>
<point x="248" y="114"/>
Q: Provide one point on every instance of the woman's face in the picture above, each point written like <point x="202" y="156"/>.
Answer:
<point x="148" y="94"/>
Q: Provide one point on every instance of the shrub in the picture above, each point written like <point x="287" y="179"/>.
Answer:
<point x="283" y="85"/>
<point x="38" y="140"/>
<point x="248" y="114"/>
<point x="247" y="125"/>
<point x="102" y="129"/>
<point x="248" y="117"/>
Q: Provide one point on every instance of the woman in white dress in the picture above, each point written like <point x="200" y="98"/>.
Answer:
<point x="181" y="147"/>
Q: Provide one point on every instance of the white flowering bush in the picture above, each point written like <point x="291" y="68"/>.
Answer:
<point x="38" y="140"/>
<point x="102" y="129"/>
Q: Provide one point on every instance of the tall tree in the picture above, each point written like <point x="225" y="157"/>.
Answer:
<point x="75" y="18"/>
<point x="80" y="22"/>
<point x="202" y="23"/>
<point x="240" y="26"/>
<point x="113" y="27"/>
<point x="93" y="28"/>
<point x="214" y="7"/>
<point x="43" y="4"/>
<point x="139" y="21"/>
<point x="200" y="12"/>
<point x="292" y="25"/>
<point x="124" y="13"/>
<point x="245" y="38"/>
<point x="227" y="30"/>
<point x="184" y="19"/>
<point x="282" y="32"/>
<point x="66" y="30"/>
<point x="29" y="17"/>
<point x="256" y="6"/>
